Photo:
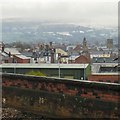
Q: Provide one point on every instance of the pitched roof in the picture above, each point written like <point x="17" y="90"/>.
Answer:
<point x="103" y="59"/>
<point x="13" y="51"/>
<point x="61" y="51"/>
<point x="78" y="47"/>
<point x="27" y="54"/>
<point x="73" y="57"/>
<point x="22" y="56"/>
<point x="4" y="54"/>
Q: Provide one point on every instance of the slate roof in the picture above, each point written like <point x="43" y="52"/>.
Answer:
<point x="103" y="60"/>
<point x="13" y="51"/>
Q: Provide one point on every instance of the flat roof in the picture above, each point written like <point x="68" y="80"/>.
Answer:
<point x="106" y="64"/>
<point x="41" y="65"/>
<point x="96" y="67"/>
<point x="107" y="73"/>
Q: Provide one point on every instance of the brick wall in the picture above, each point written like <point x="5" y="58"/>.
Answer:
<point x="82" y="59"/>
<point x="19" y="60"/>
<point x="104" y="78"/>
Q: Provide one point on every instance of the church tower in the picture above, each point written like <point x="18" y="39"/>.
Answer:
<point x="85" y="44"/>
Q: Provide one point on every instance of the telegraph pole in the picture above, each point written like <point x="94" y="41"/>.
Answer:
<point x="59" y="64"/>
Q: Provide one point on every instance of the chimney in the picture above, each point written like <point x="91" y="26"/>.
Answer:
<point x="3" y="48"/>
<point x="9" y="54"/>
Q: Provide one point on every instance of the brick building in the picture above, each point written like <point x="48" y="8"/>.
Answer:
<point x="21" y="59"/>
<point x="82" y="59"/>
<point x="105" y="72"/>
<point x="113" y="78"/>
<point x="12" y="55"/>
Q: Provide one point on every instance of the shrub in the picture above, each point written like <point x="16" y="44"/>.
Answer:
<point x="36" y="73"/>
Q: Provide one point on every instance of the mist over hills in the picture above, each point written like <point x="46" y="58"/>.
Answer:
<point x="29" y="31"/>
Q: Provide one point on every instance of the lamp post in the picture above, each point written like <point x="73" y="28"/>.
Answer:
<point x="84" y="71"/>
<point x="59" y="65"/>
<point x="14" y="69"/>
<point x="15" y="66"/>
<point x="71" y="58"/>
<point x="59" y="69"/>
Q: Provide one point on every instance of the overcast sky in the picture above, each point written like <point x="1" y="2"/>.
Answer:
<point x="86" y="12"/>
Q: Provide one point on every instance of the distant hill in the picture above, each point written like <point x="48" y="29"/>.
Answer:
<point x="45" y="31"/>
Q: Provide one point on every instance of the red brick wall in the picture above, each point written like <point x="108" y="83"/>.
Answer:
<point x="82" y="59"/>
<point x="9" y="60"/>
<point x="19" y="60"/>
<point x="104" y="78"/>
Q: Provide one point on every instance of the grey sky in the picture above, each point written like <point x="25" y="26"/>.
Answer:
<point x="70" y="11"/>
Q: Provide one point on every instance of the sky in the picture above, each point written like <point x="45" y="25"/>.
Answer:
<point x="85" y="12"/>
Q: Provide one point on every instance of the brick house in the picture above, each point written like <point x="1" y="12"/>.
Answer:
<point x="21" y="59"/>
<point x="82" y="59"/>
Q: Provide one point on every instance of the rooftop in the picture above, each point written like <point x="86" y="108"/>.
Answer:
<point x="13" y="51"/>
<point x="103" y="60"/>
<point x="22" y="56"/>
<point x="4" y="54"/>
<point x="105" y="68"/>
<point x="32" y="65"/>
